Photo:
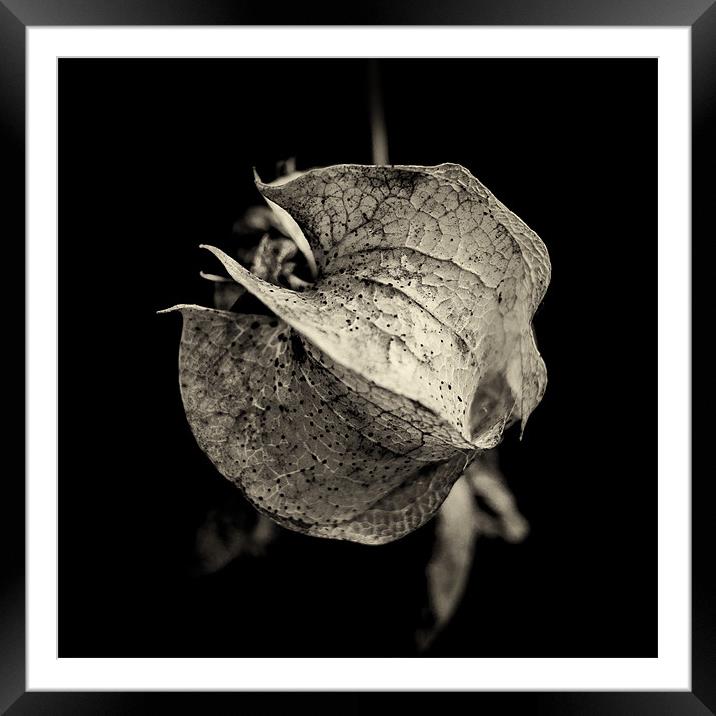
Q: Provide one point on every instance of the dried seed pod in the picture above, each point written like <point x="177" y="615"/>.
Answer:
<point x="351" y="411"/>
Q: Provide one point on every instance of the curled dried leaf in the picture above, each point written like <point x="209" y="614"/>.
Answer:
<point x="460" y="521"/>
<point x="352" y="409"/>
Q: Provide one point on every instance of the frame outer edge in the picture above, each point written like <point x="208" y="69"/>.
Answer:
<point x="12" y="483"/>
<point x="366" y="12"/>
<point x="703" y="122"/>
<point x="12" y="124"/>
<point x="351" y="703"/>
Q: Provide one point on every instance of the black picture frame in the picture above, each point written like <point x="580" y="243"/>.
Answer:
<point x="17" y="15"/>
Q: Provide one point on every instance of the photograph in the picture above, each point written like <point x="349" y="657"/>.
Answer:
<point x="357" y="357"/>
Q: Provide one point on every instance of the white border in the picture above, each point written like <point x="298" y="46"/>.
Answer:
<point x="671" y="670"/>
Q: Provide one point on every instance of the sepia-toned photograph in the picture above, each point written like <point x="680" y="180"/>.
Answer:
<point x="357" y="357"/>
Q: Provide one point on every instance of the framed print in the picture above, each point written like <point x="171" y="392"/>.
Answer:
<point x="358" y="356"/>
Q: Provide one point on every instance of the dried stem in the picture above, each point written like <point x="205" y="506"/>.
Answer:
<point x="378" y="133"/>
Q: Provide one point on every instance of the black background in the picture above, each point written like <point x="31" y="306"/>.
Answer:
<point x="156" y="157"/>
